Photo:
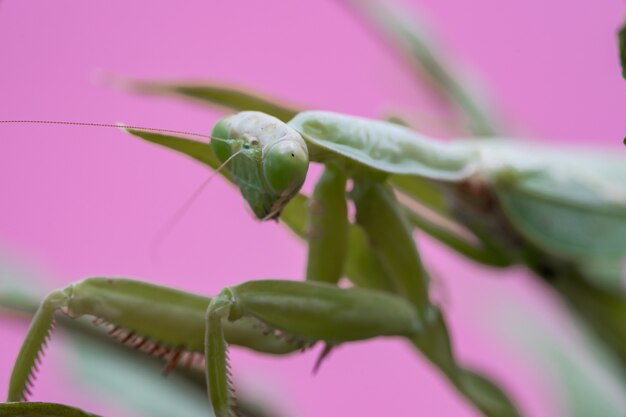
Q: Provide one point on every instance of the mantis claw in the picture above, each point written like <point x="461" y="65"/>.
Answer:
<point x="29" y="359"/>
<point x="323" y="355"/>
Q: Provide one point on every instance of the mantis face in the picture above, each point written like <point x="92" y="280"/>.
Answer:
<point x="267" y="158"/>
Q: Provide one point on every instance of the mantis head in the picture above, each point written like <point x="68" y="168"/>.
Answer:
<point x="267" y="158"/>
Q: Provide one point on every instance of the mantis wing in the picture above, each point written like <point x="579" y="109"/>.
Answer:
<point x="568" y="202"/>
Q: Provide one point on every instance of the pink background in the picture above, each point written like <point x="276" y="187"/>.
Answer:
<point x="76" y="202"/>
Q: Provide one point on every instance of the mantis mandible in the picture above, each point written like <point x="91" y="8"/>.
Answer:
<point x="268" y="160"/>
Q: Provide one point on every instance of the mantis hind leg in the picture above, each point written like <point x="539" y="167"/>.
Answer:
<point x="158" y="320"/>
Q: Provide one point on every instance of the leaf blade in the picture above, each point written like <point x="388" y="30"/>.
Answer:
<point x="41" y="409"/>
<point x="413" y="44"/>
<point x="216" y="94"/>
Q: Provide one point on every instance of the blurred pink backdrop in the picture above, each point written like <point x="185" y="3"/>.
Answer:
<point x="77" y="202"/>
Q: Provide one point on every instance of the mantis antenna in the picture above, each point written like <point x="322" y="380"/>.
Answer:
<point x="173" y="221"/>
<point x="117" y="126"/>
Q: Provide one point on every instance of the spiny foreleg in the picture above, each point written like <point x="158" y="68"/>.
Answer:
<point x="157" y="320"/>
<point x="305" y="311"/>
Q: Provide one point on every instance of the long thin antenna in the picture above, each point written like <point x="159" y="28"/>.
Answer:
<point x="173" y="221"/>
<point x="118" y="126"/>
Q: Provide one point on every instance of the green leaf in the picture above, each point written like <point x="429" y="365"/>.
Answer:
<point x="233" y="98"/>
<point x="199" y="151"/>
<point x="413" y="43"/>
<point x="135" y="381"/>
<point x="583" y="377"/>
<point x="41" y="409"/>
<point x="603" y="309"/>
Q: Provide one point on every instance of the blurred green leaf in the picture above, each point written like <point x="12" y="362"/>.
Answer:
<point x="604" y="310"/>
<point x="41" y="409"/>
<point x="199" y="151"/>
<point x="135" y="382"/>
<point x="218" y="94"/>
<point x="411" y="40"/>
<point x="585" y="378"/>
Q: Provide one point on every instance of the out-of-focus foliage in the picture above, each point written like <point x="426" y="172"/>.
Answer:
<point x="410" y="38"/>
<point x="588" y="379"/>
<point x="229" y="97"/>
<point x="41" y="409"/>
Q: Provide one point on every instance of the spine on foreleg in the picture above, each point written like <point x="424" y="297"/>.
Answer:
<point x="29" y="357"/>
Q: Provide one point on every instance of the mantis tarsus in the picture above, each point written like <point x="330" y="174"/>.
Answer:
<point x="482" y="180"/>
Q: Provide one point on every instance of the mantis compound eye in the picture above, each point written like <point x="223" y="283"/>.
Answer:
<point x="219" y="142"/>
<point x="285" y="164"/>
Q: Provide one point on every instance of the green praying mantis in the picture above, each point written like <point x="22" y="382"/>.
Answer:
<point x="558" y="212"/>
